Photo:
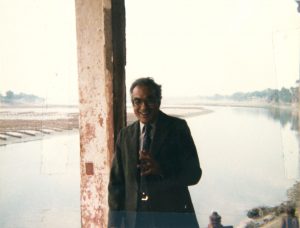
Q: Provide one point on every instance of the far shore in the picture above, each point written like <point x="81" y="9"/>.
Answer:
<point x="23" y="125"/>
<point x="15" y="118"/>
<point x="18" y="118"/>
<point x="192" y="105"/>
<point x="177" y="111"/>
<point x="254" y="104"/>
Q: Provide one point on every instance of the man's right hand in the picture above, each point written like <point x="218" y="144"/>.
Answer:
<point x="148" y="165"/>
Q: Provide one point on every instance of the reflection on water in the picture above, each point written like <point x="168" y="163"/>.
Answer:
<point x="283" y="116"/>
<point x="249" y="158"/>
<point x="290" y="140"/>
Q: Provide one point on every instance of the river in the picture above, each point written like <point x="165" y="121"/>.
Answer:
<point x="39" y="183"/>
<point x="249" y="157"/>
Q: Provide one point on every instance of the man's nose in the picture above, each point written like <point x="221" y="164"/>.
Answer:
<point x="144" y="104"/>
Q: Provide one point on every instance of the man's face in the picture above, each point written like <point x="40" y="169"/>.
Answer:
<point x="145" y="104"/>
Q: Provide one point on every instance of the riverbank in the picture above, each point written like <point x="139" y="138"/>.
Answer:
<point x="23" y="123"/>
<point x="294" y="107"/>
<point x="181" y="111"/>
<point x="267" y="216"/>
<point x="272" y="217"/>
<point x="26" y="124"/>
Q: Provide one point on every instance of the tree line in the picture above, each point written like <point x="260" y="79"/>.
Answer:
<point x="284" y="95"/>
<point x="22" y="98"/>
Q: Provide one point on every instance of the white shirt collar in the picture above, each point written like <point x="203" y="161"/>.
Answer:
<point x="142" y="126"/>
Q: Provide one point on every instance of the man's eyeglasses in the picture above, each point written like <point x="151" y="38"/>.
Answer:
<point x="148" y="102"/>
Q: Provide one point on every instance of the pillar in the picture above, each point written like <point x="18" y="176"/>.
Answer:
<point x="101" y="60"/>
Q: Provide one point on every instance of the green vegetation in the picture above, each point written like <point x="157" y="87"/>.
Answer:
<point x="21" y="98"/>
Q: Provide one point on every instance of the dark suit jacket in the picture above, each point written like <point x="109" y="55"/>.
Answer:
<point x="173" y="148"/>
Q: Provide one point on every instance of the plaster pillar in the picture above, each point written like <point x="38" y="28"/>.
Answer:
<point x="101" y="59"/>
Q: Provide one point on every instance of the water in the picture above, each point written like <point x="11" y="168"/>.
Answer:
<point x="40" y="183"/>
<point x="249" y="157"/>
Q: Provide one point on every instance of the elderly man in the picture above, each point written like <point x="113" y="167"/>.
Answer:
<point x="155" y="161"/>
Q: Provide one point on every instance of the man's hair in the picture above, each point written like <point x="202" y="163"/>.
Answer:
<point x="150" y="83"/>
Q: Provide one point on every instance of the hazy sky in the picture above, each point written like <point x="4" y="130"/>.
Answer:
<point x="191" y="47"/>
<point x="206" y="47"/>
<point x="38" y="48"/>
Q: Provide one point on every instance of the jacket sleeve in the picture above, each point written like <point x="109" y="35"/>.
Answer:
<point x="190" y="171"/>
<point x="116" y="188"/>
<point x="185" y="169"/>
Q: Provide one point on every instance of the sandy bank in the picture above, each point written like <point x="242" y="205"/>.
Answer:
<point x="252" y="104"/>
<point x="178" y="111"/>
<point x="25" y="123"/>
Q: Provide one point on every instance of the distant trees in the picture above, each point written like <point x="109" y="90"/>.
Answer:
<point x="270" y="95"/>
<point x="21" y="98"/>
<point x="295" y="94"/>
<point x="284" y="96"/>
<point x="9" y="95"/>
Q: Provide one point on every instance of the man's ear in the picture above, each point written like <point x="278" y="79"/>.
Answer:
<point x="159" y="102"/>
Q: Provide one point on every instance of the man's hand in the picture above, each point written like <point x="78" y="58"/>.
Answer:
<point x="148" y="165"/>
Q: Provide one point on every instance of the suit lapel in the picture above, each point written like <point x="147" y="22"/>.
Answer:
<point x="161" y="132"/>
<point x="134" y="145"/>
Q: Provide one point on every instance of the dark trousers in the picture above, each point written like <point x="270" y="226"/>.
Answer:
<point x="145" y="218"/>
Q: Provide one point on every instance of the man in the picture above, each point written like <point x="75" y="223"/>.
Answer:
<point x="155" y="161"/>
